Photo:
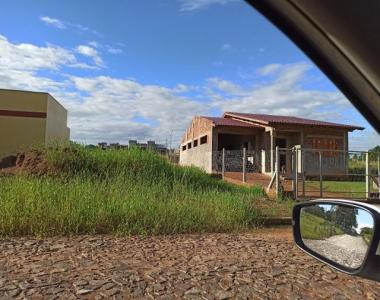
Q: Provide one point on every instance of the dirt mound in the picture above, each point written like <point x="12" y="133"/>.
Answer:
<point x="32" y="162"/>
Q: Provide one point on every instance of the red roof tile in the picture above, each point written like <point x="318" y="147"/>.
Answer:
<point x="230" y="122"/>
<point x="274" y="119"/>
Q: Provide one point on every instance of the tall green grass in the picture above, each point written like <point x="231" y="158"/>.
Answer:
<point x="316" y="228"/>
<point x="123" y="192"/>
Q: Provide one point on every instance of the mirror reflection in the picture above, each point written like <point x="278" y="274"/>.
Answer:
<point x="338" y="232"/>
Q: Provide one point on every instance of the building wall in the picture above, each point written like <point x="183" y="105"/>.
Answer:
<point x="327" y="139"/>
<point x="199" y="126"/>
<point x="18" y="134"/>
<point x="199" y="156"/>
<point x="22" y="101"/>
<point x="22" y="121"/>
<point x="313" y="137"/>
<point x="29" y="119"/>
<point x="57" y="132"/>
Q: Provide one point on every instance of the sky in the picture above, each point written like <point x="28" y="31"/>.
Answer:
<point x="141" y="69"/>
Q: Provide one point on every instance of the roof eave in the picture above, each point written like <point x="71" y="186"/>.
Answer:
<point x="338" y="126"/>
<point x="235" y="115"/>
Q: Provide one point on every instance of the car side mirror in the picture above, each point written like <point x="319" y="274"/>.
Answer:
<point x="343" y="234"/>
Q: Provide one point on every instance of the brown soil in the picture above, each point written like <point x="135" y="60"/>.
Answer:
<point x="32" y="162"/>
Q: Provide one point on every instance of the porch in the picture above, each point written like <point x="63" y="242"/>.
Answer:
<point x="259" y="145"/>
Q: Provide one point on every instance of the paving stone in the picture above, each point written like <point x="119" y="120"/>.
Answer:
<point x="260" y="264"/>
<point x="110" y="292"/>
<point x="222" y="295"/>
<point x="193" y="291"/>
<point x="84" y="292"/>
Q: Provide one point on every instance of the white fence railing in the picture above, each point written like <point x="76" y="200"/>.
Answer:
<point x="330" y="173"/>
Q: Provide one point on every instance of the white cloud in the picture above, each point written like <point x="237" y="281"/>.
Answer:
<point x="20" y="64"/>
<point x="364" y="140"/>
<point x="111" y="104"/>
<point x="31" y="57"/>
<point x="191" y="5"/>
<point x="63" y="25"/>
<point x="94" y="44"/>
<point x="113" y="50"/>
<point x="107" y="108"/>
<point x="108" y="48"/>
<point x="283" y="95"/>
<point x="53" y="22"/>
<point x="92" y="53"/>
<point x="269" y="69"/>
<point x="224" y="86"/>
<point x="226" y="47"/>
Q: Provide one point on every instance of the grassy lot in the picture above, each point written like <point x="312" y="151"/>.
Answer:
<point x="316" y="228"/>
<point x="345" y="188"/>
<point x="125" y="192"/>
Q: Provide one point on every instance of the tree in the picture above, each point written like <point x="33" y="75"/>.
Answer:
<point x="316" y="210"/>
<point x="345" y="219"/>
<point x="374" y="152"/>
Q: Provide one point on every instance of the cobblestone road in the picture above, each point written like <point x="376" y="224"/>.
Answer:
<point x="257" y="265"/>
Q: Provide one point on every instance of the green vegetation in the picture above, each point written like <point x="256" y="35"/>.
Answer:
<point x="89" y="191"/>
<point x="367" y="237"/>
<point x="316" y="228"/>
<point x="357" y="164"/>
<point x="347" y="188"/>
<point x="367" y="234"/>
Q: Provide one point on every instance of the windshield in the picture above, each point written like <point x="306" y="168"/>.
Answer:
<point x="148" y="148"/>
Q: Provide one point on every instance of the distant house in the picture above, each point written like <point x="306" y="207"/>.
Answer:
<point x="260" y="134"/>
<point x="30" y="119"/>
<point x="149" y="145"/>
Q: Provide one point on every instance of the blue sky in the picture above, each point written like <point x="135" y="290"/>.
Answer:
<point x="141" y="68"/>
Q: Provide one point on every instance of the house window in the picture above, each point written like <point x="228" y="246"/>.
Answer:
<point x="204" y="140"/>
<point x="195" y="143"/>
<point x="189" y="145"/>
<point x="184" y="148"/>
<point x="326" y="144"/>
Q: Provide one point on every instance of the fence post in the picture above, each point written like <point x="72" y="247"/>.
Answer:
<point x="244" y="165"/>
<point x="296" y="173"/>
<point x="367" y="178"/>
<point x="277" y="171"/>
<point x="303" y="153"/>
<point x="320" y="175"/>
<point x="263" y="163"/>
<point x="223" y="162"/>
<point x="293" y="167"/>
<point x="378" y="172"/>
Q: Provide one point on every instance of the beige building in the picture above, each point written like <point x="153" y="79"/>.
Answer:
<point x="260" y="134"/>
<point x="29" y="119"/>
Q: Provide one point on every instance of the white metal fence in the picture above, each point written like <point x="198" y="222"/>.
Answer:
<point x="304" y="172"/>
<point x="243" y="161"/>
<point x="328" y="173"/>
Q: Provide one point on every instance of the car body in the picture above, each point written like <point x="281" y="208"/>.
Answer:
<point x="342" y="38"/>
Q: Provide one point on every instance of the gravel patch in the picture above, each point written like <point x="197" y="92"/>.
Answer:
<point x="345" y="249"/>
<point x="255" y="265"/>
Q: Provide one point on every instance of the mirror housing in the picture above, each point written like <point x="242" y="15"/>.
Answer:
<point x="370" y="265"/>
